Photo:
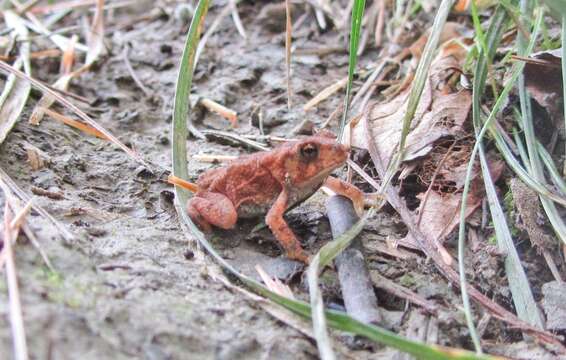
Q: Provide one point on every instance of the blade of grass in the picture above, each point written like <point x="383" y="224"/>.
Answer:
<point x="237" y="20"/>
<point x="523" y="298"/>
<point x="520" y="285"/>
<point x="521" y="292"/>
<point x="323" y="342"/>
<point x="338" y="320"/>
<point x="417" y="87"/>
<point x="181" y="106"/>
<point x="16" y="91"/>
<point x="536" y="168"/>
<point x="325" y="255"/>
<point x="515" y="165"/>
<point x="15" y="305"/>
<point x="355" y="32"/>
<point x="480" y="37"/>
<point x="493" y="36"/>
<point x="553" y="171"/>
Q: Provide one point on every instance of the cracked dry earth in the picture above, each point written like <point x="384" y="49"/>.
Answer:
<point x="129" y="284"/>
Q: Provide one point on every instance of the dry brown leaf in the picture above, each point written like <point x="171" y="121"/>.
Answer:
<point x="450" y="31"/>
<point x="274" y="284"/>
<point x="543" y="79"/>
<point x="441" y="114"/>
<point x="438" y="115"/>
<point x="440" y="213"/>
<point x="445" y="167"/>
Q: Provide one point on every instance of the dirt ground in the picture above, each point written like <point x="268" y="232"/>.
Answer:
<point x="129" y="284"/>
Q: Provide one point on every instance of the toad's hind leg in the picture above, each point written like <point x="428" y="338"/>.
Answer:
<point x="210" y="208"/>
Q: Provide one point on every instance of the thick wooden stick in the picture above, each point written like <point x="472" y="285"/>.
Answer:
<point x="357" y="289"/>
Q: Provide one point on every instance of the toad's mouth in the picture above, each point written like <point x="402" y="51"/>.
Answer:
<point x="322" y="175"/>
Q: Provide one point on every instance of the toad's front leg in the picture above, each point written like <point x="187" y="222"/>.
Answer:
<point x="348" y="190"/>
<point x="282" y="231"/>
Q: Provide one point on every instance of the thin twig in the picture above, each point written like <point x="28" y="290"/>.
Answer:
<point x="221" y="110"/>
<point x="14" y="188"/>
<point x="379" y="24"/>
<point x="202" y="43"/>
<point x="402" y="292"/>
<point x="76" y="124"/>
<point x="16" y="317"/>
<point x="237" y="20"/>
<point x="133" y="75"/>
<point x="363" y="174"/>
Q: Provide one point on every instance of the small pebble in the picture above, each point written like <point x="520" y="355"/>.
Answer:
<point x="184" y="13"/>
<point x="189" y="254"/>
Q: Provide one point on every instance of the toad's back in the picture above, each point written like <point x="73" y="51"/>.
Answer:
<point x="250" y="186"/>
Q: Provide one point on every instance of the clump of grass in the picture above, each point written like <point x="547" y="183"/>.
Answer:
<point x="518" y="283"/>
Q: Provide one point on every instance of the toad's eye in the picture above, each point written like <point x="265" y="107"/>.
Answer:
<point x="309" y="152"/>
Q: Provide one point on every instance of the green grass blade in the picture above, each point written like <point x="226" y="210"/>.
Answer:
<point x="521" y="292"/>
<point x="418" y="85"/>
<point x="523" y="298"/>
<point x="552" y="170"/>
<point x="481" y="72"/>
<point x="493" y="37"/>
<point x="323" y="342"/>
<point x="325" y="255"/>
<point x="518" y="169"/>
<point x="181" y="106"/>
<point x="355" y="32"/>
<point x="527" y="121"/>
<point x="480" y="37"/>
<point x="520" y="146"/>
